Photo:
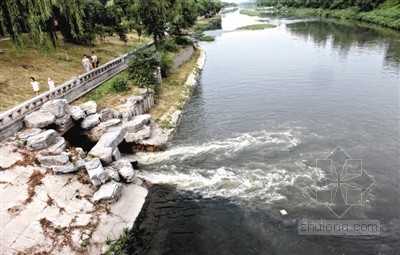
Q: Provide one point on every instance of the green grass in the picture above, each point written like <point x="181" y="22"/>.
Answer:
<point x="105" y="96"/>
<point x="257" y="27"/>
<point x="251" y="13"/>
<point x="206" y="38"/>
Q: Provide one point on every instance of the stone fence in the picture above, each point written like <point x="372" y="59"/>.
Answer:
<point x="11" y="121"/>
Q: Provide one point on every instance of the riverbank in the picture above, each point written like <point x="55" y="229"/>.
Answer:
<point x="386" y="15"/>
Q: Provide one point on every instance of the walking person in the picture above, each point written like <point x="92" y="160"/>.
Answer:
<point x="50" y="82"/>
<point x="35" y="86"/>
<point x="86" y="63"/>
<point x="95" y="62"/>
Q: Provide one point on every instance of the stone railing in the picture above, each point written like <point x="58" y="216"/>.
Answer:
<point x="11" y="120"/>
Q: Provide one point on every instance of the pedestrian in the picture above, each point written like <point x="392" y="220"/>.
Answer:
<point x="86" y="63"/>
<point x="50" y="82"/>
<point x="35" y="86"/>
<point x="94" y="60"/>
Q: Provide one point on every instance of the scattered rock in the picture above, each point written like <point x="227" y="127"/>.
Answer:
<point x="116" y="154"/>
<point x="64" y="123"/>
<point x="58" y="146"/>
<point x="105" y="114"/>
<point x="95" y="171"/>
<point x="24" y="135"/>
<point x="103" y="153"/>
<point x="65" y="169"/>
<point x="39" y="119"/>
<point x="109" y="192"/>
<point x="112" y="138"/>
<point x="90" y="121"/>
<point x="42" y="140"/>
<point x="140" y="135"/>
<point x="57" y="160"/>
<point x="76" y="112"/>
<point x="111" y="174"/>
<point x="137" y="123"/>
<point x="57" y="107"/>
<point x="109" y="123"/>
<point x="89" y="107"/>
<point x="125" y="169"/>
<point x="158" y="139"/>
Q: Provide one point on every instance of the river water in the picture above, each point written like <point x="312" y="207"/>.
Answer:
<point x="271" y="103"/>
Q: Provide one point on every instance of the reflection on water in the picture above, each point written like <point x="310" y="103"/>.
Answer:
<point x="344" y="36"/>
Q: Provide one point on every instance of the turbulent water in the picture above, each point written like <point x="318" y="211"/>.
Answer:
<point x="269" y="104"/>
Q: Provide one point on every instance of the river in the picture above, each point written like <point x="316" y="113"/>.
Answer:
<point x="269" y="104"/>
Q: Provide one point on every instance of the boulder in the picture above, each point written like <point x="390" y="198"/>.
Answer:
<point x="137" y="123"/>
<point x="116" y="154"/>
<point x="105" y="114"/>
<point x="109" y="123"/>
<point x="125" y="169"/>
<point x="95" y="171"/>
<point x="58" y="146"/>
<point x="76" y="112"/>
<point x="57" y="107"/>
<point x="159" y="138"/>
<point x="89" y="107"/>
<point x="90" y="121"/>
<point x="42" y="140"/>
<point x="109" y="192"/>
<point x="64" y="123"/>
<point x="65" y="169"/>
<point x="39" y="119"/>
<point x="103" y="153"/>
<point x="138" y="181"/>
<point x="57" y="160"/>
<point x="139" y="135"/>
<point x="113" y="137"/>
<point x="111" y="174"/>
<point x="97" y="132"/>
<point x="24" y="135"/>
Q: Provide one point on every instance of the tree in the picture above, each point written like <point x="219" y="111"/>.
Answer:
<point x="152" y="14"/>
<point x="37" y="19"/>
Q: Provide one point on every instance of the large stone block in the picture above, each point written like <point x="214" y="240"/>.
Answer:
<point x="125" y="169"/>
<point x="65" y="169"/>
<point x="89" y="107"/>
<point x="103" y="153"/>
<point x="139" y="135"/>
<point x="42" y="140"/>
<point x="39" y="119"/>
<point x="57" y="160"/>
<point x="137" y="123"/>
<point x="90" y="121"/>
<point x="109" y="192"/>
<point x="76" y="112"/>
<point x="57" y="107"/>
<point x="96" y="171"/>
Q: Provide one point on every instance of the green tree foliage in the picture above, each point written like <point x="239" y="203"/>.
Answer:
<point x="142" y="66"/>
<point x="38" y="18"/>
<point x="361" y="5"/>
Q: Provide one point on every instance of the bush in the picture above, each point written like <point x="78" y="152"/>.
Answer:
<point x="142" y="66"/>
<point x="170" y="45"/>
<point x="120" y="84"/>
<point x="184" y="40"/>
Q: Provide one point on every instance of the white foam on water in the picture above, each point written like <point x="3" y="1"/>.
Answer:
<point x="260" y="182"/>
<point x="225" y="148"/>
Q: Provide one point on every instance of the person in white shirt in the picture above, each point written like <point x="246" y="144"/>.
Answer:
<point x="50" y="82"/>
<point x="86" y="63"/>
<point x="35" y="86"/>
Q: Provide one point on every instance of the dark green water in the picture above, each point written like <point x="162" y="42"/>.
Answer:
<point x="269" y="104"/>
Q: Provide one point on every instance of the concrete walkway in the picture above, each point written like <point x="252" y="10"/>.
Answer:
<point x="53" y="214"/>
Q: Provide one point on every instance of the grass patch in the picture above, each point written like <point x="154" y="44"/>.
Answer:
<point x="170" y="92"/>
<point x="257" y="27"/>
<point x="105" y="95"/>
<point x="18" y="66"/>
<point x="213" y="23"/>
<point x="251" y="13"/>
<point x="206" y="38"/>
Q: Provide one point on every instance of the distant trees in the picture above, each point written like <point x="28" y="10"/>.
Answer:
<point x="362" y="5"/>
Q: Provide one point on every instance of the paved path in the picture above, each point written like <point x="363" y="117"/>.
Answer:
<point x="53" y="214"/>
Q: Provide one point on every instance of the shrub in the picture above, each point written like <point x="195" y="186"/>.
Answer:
<point x="120" y="84"/>
<point x="170" y="45"/>
<point x="142" y="66"/>
<point x="184" y="40"/>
